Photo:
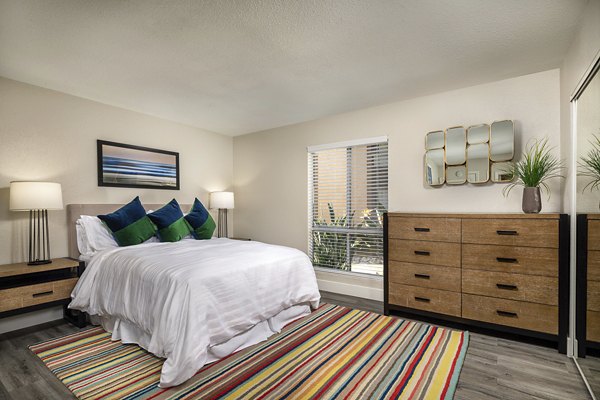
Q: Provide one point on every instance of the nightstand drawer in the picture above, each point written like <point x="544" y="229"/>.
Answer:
<point x="433" y="229"/>
<point x="593" y="295"/>
<point x="423" y="275"/>
<point x="518" y="314"/>
<point x="511" y="232"/>
<point x="432" y="253"/>
<point x="26" y="296"/>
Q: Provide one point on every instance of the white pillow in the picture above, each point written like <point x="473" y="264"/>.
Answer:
<point x="97" y="234"/>
<point x="93" y="235"/>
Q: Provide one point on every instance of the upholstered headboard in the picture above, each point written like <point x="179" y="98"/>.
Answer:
<point x="74" y="211"/>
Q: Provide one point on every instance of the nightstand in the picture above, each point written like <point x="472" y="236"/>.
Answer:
<point x="25" y="288"/>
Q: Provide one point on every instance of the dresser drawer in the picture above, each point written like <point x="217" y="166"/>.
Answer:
<point x="433" y="300"/>
<point x="520" y="260"/>
<point x="593" y="326"/>
<point x="433" y="229"/>
<point x="511" y="232"/>
<point x="529" y="288"/>
<point x="593" y="265"/>
<point x="593" y="295"/>
<point x="25" y="296"/>
<point x="594" y="235"/>
<point x="423" y="275"/>
<point x="432" y="253"/>
<point x="518" y="314"/>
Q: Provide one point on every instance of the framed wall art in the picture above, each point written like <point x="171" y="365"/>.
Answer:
<point x="129" y="166"/>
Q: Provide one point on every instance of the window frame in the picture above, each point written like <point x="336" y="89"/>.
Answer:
<point x="312" y="188"/>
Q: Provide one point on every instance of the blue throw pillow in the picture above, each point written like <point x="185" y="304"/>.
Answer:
<point x="129" y="224"/>
<point x="203" y="225"/>
<point x="170" y="222"/>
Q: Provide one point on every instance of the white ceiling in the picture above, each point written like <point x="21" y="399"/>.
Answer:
<point x="240" y="66"/>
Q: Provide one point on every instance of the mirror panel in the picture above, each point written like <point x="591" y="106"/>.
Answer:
<point x="501" y="172"/>
<point x="434" y="140"/>
<point x="456" y="174"/>
<point x="502" y="141"/>
<point x="434" y="167"/>
<point x="478" y="163"/>
<point x="478" y="134"/>
<point x="587" y="121"/>
<point x="456" y="143"/>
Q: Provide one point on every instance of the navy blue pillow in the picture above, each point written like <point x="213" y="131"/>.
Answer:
<point x="203" y="225"/>
<point x="129" y="224"/>
<point x="170" y="222"/>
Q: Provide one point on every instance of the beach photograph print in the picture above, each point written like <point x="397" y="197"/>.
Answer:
<point x="124" y="165"/>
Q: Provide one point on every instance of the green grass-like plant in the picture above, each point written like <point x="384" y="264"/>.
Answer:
<point x="537" y="166"/>
<point x="589" y="166"/>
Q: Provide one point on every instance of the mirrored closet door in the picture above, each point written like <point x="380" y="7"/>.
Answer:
<point x="586" y="108"/>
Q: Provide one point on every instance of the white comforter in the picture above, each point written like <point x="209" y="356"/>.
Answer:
<point x="193" y="294"/>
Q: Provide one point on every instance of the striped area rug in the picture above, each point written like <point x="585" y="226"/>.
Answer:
<point x="335" y="352"/>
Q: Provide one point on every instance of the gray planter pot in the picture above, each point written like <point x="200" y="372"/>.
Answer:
<point x="532" y="200"/>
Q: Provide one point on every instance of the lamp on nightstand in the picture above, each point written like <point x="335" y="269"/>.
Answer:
<point x="223" y="201"/>
<point x="37" y="198"/>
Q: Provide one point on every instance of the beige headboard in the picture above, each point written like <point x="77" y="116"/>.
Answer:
<point x="74" y="211"/>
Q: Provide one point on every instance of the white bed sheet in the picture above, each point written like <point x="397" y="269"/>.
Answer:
<point x="190" y="301"/>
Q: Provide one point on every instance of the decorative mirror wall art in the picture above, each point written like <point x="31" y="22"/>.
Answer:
<point x="435" y="169"/>
<point x="456" y="174"/>
<point x="456" y="143"/>
<point x="434" y="140"/>
<point x="477" y="154"/>
<point x="502" y="141"/>
<point x="501" y="172"/>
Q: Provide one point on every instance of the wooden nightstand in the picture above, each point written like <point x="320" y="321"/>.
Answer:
<point x="25" y="288"/>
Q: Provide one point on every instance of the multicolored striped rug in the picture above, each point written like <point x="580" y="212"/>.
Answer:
<point x="335" y="352"/>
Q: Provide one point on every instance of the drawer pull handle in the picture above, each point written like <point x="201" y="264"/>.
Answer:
<point x="506" y="260"/>
<point x="507" y="233"/>
<point x="422" y="253"/>
<point x="506" y="287"/>
<point x="422" y="230"/>
<point x="422" y="299"/>
<point x="507" y="314"/>
<point x="422" y="276"/>
<point x="49" y="292"/>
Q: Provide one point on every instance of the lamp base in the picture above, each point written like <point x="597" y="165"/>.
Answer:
<point x="39" y="262"/>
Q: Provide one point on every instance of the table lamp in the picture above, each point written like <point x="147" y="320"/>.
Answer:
<point x="37" y="198"/>
<point x="223" y="201"/>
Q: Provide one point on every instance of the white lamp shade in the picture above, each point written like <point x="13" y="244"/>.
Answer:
<point x="25" y="196"/>
<point x="221" y="200"/>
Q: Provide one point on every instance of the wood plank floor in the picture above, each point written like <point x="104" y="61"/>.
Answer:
<point x="494" y="368"/>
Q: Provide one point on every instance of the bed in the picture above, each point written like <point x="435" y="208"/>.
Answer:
<point x="194" y="301"/>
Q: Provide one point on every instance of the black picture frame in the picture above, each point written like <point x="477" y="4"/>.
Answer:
<point x="104" y="180"/>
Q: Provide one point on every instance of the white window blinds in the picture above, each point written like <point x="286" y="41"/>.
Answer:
<point x="348" y="194"/>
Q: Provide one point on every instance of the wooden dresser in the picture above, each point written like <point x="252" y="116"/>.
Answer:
<point x="504" y="272"/>
<point x="588" y="282"/>
<point x="25" y="288"/>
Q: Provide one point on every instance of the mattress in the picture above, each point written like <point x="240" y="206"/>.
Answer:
<point x="196" y="301"/>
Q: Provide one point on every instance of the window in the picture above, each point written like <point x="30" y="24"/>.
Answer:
<point x="348" y="194"/>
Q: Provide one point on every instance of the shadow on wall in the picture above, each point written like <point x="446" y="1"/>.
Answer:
<point x="18" y="227"/>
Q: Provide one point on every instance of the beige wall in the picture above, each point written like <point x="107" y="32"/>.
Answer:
<point x="270" y="167"/>
<point x="51" y="136"/>
<point x="584" y="48"/>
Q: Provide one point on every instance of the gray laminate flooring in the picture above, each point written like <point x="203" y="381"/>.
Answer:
<point x="494" y="368"/>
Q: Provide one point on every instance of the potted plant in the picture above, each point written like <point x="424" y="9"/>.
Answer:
<point x="536" y="167"/>
<point x="589" y="166"/>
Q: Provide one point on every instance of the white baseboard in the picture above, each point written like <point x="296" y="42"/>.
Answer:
<point x="366" y="288"/>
